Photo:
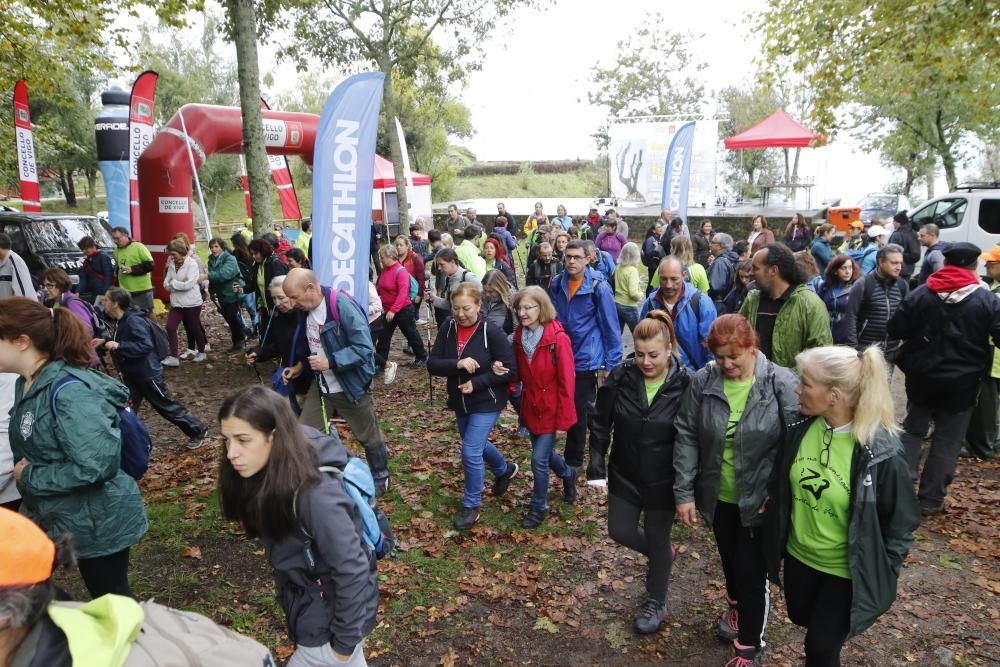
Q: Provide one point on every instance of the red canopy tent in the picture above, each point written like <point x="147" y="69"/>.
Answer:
<point x="779" y="130"/>
<point x="385" y="177"/>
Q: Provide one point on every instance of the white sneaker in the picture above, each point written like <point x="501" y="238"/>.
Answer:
<point x="390" y="372"/>
<point x="208" y="347"/>
<point x="422" y="321"/>
<point x="188" y="355"/>
<point x="172" y="362"/>
<point x="201" y="356"/>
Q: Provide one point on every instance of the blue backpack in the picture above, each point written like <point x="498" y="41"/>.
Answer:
<point x="136" y="443"/>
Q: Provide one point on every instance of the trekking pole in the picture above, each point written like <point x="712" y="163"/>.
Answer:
<point x="430" y="378"/>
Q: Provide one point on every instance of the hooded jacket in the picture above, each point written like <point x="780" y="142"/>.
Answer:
<point x="498" y="313"/>
<point x="336" y="601"/>
<point x="822" y="253"/>
<point x="487" y="344"/>
<point x="872" y="301"/>
<point x="949" y="328"/>
<point x="447" y="285"/>
<point x="721" y="275"/>
<point x="136" y="355"/>
<point x="690" y="328"/>
<point x="590" y="319"/>
<point x="74" y="483"/>
<point x="611" y="243"/>
<point x="701" y="438"/>
<point x="183" y="283"/>
<point x="884" y="513"/>
<point x="640" y="468"/>
<point x="548" y="381"/>
<point x="802" y="323"/>
<point x="223" y="272"/>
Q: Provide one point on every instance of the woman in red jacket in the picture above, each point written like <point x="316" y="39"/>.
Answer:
<point x="545" y="364"/>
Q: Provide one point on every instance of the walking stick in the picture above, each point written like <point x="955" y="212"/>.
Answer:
<point x="430" y="378"/>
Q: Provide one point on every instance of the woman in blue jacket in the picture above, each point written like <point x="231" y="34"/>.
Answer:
<point x="466" y="347"/>
<point x="841" y="273"/>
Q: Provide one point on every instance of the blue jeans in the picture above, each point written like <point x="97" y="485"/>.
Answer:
<point x="543" y="459"/>
<point x="476" y="447"/>
<point x="628" y="315"/>
<point x="250" y="303"/>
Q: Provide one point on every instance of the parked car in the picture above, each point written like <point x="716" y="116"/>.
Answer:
<point x="49" y="240"/>
<point x="882" y="205"/>
<point x="971" y="213"/>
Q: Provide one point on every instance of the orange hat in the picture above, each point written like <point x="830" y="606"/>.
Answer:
<point x="27" y="555"/>
<point x="857" y="224"/>
<point x="992" y="255"/>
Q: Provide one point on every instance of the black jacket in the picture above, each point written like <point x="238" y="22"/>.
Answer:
<point x="272" y="266"/>
<point x="280" y="342"/>
<point x="700" y="244"/>
<point x="721" y="277"/>
<point x="96" y="275"/>
<point x="870" y="304"/>
<point x="541" y="273"/>
<point x="947" y="344"/>
<point x="136" y="354"/>
<point x="336" y="601"/>
<point x="487" y="344"/>
<point x="641" y="465"/>
<point x="906" y="237"/>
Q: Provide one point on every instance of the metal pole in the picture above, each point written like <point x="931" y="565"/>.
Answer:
<point x="197" y="181"/>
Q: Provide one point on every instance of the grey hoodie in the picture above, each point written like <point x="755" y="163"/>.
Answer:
<point x="449" y="283"/>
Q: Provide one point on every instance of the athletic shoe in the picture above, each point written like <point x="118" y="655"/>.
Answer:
<point x="746" y="656"/>
<point x="466" y="518"/>
<point x="503" y="481"/>
<point x="729" y="624"/>
<point x="650" y="616"/>
<point x="523" y="432"/>
<point x="419" y="363"/>
<point x="172" y="362"/>
<point x="198" y="441"/>
<point x="931" y="510"/>
<point x="201" y="356"/>
<point x="390" y="372"/>
<point x="422" y="321"/>
<point x="569" y="487"/>
<point x="208" y="347"/>
<point x="533" y="519"/>
<point x="188" y="355"/>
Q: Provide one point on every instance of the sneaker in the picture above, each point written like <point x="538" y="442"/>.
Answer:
<point x="503" y="481"/>
<point x="208" y="347"/>
<point x="422" y="321"/>
<point x="746" y="656"/>
<point x="172" y="362"/>
<point x="533" y="519"/>
<point x="569" y="487"/>
<point x="523" y="432"/>
<point x="198" y="441"/>
<point x="650" y="617"/>
<point x="188" y="355"/>
<point x="390" y="372"/>
<point x="201" y="356"/>
<point x="409" y="350"/>
<point x="729" y="624"/>
<point x="466" y="518"/>
<point x="419" y="363"/>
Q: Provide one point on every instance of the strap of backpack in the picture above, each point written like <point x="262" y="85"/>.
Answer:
<point x="57" y="387"/>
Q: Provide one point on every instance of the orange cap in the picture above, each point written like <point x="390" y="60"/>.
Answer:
<point x="27" y="555"/>
<point x="992" y="255"/>
<point x="858" y="224"/>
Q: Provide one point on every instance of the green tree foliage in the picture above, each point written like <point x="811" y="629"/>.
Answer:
<point x="653" y="74"/>
<point x="744" y="107"/>
<point x="930" y="66"/>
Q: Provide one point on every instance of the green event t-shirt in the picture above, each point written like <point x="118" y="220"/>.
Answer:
<point x="652" y="388"/>
<point x="132" y="254"/>
<point x="736" y="394"/>
<point x="821" y="500"/>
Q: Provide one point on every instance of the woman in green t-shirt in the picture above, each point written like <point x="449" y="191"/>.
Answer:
<point x="842" y="508"/>
<point x="729" y="432"/>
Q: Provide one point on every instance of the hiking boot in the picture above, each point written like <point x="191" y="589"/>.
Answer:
<point x="172" y="362"/>
<point x="201" y="356"/>
<point x="409" y="350"/>
<point x="931" y="510"/>
<point x="390" y="372"/>
<point x="197" y="442"/>
<point x="746" y="656"/>
<point x="419" y="363"/>
<point x="569" y="487"/>
<point x="533" y="519"/>
<point x="503" y="481"/>
<point x="729" y="624"/>
<point x="466" y="518"/>
<point x="650" y="617"/>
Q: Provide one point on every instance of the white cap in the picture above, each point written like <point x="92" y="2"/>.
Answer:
<point x="876" y="231"/>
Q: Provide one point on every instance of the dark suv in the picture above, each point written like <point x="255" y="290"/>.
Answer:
<point x="49" y="240"/>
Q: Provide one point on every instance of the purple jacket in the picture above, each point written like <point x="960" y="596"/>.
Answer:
<point x="73" y="303"/>
<point x="611" y="243"/>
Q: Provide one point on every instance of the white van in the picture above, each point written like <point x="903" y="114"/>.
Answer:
<point x="971" y="213"/>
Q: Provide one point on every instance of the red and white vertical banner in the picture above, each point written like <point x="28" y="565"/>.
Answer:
<point x="282" y="181"/>
<point x="246" y="184"/>
<point x="140" y="134"/>
<point x="31" y="201"/>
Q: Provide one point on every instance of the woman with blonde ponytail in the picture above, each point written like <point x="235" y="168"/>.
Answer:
<point x="842" y="508"/>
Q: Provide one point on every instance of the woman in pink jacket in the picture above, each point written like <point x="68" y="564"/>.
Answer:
<point x="394" y="290"/>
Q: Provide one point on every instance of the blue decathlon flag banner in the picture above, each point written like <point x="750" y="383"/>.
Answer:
<point x="343" y="173"/>
<point x="677" y="171"/>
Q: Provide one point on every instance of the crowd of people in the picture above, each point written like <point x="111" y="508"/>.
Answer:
<point x="756" y="397"/>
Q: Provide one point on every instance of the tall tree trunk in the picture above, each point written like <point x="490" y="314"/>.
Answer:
<point x="244" y="21"/>
<point x="67" y="186"/>
<point x="929" y="177"/>
<point x="948" y="160"/>
<point x="395" y="150"/>
<point x="92" y="189"/>
<point x="911" y="176"/>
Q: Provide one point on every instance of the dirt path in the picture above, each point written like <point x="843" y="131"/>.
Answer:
<point x="561" y="595"/>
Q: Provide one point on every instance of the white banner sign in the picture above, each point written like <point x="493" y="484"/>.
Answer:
<point x="174" y="205"/>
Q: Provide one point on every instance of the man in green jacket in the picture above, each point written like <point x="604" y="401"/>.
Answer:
<point x="787" y="316"/>
<point x="135" y="264"/>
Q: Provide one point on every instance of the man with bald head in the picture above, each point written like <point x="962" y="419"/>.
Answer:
<point x="691" y="311"/>
<point x="334" y="339"/>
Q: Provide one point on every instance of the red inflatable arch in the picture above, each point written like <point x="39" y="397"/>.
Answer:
<point x="165" y="175"/>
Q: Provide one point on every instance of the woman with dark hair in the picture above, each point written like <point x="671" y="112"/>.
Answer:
<point x="701" y="242"/>
<point x="450" y="274"/>
<point x="297" y="259"/>
<point x="652" y="252"/>
<point x="729" y="431"/>
<point x="225" y="282"/>
<point x="635" y="414"/>
<point x="270" y="482"/>
<point x="266" y="267"/>
<point x="58" y="294"/>
<point x="241" y="251"/>
<point x="67" y="442"/>
<point x="798" y="236"/>
<point x="835" y="291"/>
<point x="742" y="284"/>
<point x="760" y="235"/>
<point x="821" y="250"/>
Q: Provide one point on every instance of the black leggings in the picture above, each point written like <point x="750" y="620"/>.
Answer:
<point x="743" y="564"/>
<point x="821" y="603"/>
<point x="651" y="540"/>
<point x="231" y="313"/>
<point x="106" y="574"/>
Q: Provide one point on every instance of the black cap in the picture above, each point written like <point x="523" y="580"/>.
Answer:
<point x="961" y="254"/>
<point x="901" y="218"/>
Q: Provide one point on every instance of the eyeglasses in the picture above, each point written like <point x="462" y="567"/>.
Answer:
<point x="574" y="258"/>
<point x="827" y="441"/>
<point x="527" y="308"/>
<point x="48" y="285"/>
